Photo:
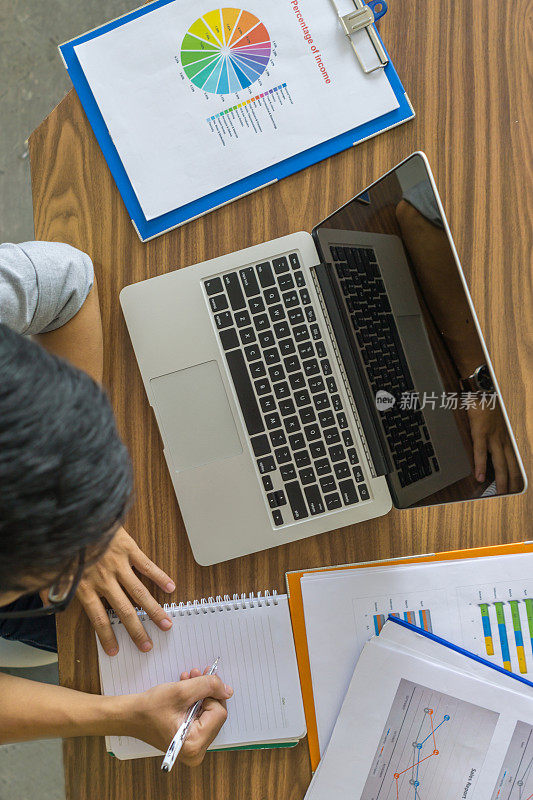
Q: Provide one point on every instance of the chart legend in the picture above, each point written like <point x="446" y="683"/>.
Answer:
<point x="515" y="781"/>
<point x="225" y="51"/>
<point x="253" y="116"/>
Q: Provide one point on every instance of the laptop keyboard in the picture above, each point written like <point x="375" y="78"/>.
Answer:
<point x="384" y="360"/>
<point x="299" y="434"/>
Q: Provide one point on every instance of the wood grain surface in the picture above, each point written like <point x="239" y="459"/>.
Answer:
<point x="465" y="66"/>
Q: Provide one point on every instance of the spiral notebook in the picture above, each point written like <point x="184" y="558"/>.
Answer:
<point x="252" y="634"/>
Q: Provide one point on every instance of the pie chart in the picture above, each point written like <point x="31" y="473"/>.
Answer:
<point x="225" y="50"/>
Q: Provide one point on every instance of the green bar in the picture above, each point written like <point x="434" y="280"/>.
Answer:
<point x="500" y="616"/>
<point x="515" y="614"/>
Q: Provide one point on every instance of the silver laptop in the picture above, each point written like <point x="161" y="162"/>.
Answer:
<point x="305" y="384"/>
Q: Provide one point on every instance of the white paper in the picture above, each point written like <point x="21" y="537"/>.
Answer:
<point x="161" y="123"/>
<point x="341" y="610"/>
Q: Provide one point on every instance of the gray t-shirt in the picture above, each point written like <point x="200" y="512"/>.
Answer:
<point x="42" y="285"/>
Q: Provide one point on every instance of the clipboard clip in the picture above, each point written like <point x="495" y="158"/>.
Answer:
<point x="362" y="19"/>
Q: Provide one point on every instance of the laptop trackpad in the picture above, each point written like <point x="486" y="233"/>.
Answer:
<point x="195" y="415"/>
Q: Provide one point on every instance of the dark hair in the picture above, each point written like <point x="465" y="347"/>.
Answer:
<point x="65" y="475"/>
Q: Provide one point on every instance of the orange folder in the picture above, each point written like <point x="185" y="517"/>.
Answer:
<point x="298" y="621"/>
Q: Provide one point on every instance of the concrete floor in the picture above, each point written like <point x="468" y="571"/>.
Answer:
<point x="32" y="81"/>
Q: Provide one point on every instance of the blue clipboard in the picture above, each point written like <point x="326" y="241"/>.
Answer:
<point x="458" y="649"/>
<point x="148" y="229"/>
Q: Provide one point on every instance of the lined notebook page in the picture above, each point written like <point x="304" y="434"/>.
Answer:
<point x="258" y="660"/>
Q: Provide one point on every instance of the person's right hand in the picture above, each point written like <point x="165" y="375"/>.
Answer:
<point x="155" y="716"/>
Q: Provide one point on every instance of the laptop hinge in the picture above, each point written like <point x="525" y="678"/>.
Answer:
<point x="354" y="374"/>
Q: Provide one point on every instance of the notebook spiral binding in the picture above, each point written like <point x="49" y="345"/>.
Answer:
<point x="211" y="605"/>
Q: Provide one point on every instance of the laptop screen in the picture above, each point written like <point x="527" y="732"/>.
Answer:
<point x="433" y="419"/>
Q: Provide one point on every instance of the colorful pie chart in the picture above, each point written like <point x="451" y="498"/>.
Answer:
<point x="226" y="50"/>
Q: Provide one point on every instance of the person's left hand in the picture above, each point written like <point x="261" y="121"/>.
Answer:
<point x="112" y="577"/>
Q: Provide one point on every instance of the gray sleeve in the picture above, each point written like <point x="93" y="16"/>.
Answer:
<point x="42" y="285"/>
<point x="422" y="197"/>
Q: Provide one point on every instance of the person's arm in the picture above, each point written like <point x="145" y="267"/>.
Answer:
<point x="31" y="710"/>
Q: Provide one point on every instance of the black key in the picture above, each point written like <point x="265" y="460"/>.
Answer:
<point x="229" y="339"/>
<point x="352" y="455"/>
<point x="256" y="305"/>
<point x="363" y="491"/>
<point x="213" y="286"/>
<point x="317" y="385"/>
<point x="271" y="296"/>
<point x="299" y="278"/>
<point x="336" y="453"/>
<point x="348" y="492"/>
<point x="252" y="352"/>
<point x="219" y="303"/>
<point x="277" y="438"/>
<point x="317" y="449"/>
<point x="245" y="392"/>
<point x="314" y="500"/>
<point x="247" y="335"/>
<point x="297" y="441"/>
<point x="257" y="370"/>
<point x="302" y="398"/>
<point x="233" y="288"/>
<point x="330" y="382"/>
<point x="337" y="402"/>
<point x="295" y="316"/>
<point x="287" y="346"/>
<point x="307" y="415"/>
<point x="262" y="386"/>
<point x="249" y="281"/>
<point x="342" y="470"/>
<point x="297" y="380"/>
<point x="272" y="356"/>
<point x="291" y="363"/>
<point x="306" y="350"/>
<point x="333" y="501"/>
<point x="310" y="314"/>
<point x="347" y="438"/>
<point x="435" y="464"/>
<point x="326" y="367"/>
<point x="266" y="464"/>
<point x="280" y="265"/>
<point x="358" y="474"/>
<point x="321" y="401"/>
<point x="287" y="472"/>
<point x="286" y="407"/>
<point x="272" y="421"/>
<point x="281" y="329"/>
<point x="315" y="332"/>
<point x="293" y="258"/>
<point x="265" y="275"/>
<point x="276" y="373"/>
<point x="260" y="445"/>
<point x="304" y="294"/>
<point x="332" y="436"/>
<point x="292" y="424"/>
<point x="301" y="333"/>
<point x="321" y="350"/>
<point x="311" y="367"/>
<point x="302" y="459"/>
<point x="223" y="320"/>
<point x="326" y="418"/>
<point x="280" y="498"/>
<point x="425" y="432"/>
<point x="277" y="517"/>
<point x="282" y="390"/>
<point x="266" y="339"/>
<point x="276" y="313"/>
<point x="267" y="403"/>
<point x="429" y="449"/>
<point x="283" y="454"/>
<point x="327" y="484"/>
<point x="261" y="322"/>
<point x="312" y="432"/>
<point x="322" y="466"/>
<point x="307" y="476"/>
<point x="285" y="282"/>
<point x="291" y="299"/>
<point x="296" y="500"/>
<point x="242" y="318"/>
<point x="272" y="502"/>
<point x="267" y="483"/>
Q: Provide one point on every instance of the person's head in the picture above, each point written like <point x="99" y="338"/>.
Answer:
<point x="65" y="475"/>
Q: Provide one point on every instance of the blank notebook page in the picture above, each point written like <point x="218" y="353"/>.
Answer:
<point x="257" y="659"/>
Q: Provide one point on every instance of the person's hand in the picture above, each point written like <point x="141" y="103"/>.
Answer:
<point x="155" y="716"/>
<point x="112" y="577"/>
<point x="489" y="435"/>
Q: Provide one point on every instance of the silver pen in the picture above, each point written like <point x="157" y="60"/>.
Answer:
<point x="183" y="731"/>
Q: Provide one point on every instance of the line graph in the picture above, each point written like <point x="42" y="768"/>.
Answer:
<point x="515" y="781"/>
<point x="432" y="746"/>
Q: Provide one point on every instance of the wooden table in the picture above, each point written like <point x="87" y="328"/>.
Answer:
<point x="463" y="63"/>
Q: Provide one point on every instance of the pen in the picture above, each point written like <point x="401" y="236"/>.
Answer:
<point x="177" y="742"/>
